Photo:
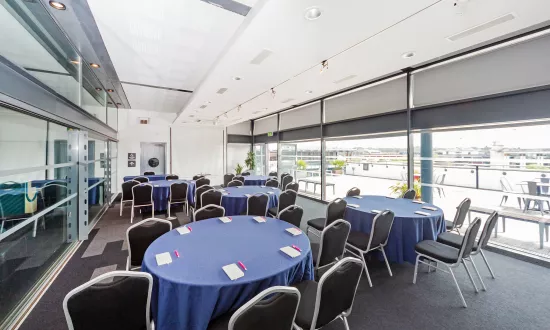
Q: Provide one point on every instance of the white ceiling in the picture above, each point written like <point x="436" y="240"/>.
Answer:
<point x="363" y="38"/>
<point x="155" y="99"/>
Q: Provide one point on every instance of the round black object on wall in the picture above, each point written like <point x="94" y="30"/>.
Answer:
<point x="153" y="162"/>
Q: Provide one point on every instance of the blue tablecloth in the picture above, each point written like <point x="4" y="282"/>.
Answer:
<point x="93" y="194"/>
<point x="161" y="191"/>
<point x="156" y="177"/>
<point x="408" y="228"/>
<point x="235" y="202"/>
<point x="194" y="289"/>
<point x="255" y="180"/>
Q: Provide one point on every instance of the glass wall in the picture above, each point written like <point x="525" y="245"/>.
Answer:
<point x="271" y="158"/>
<point x="260" y="157"/>
<point x="302" y="160"/>
<point x="113" y="157"/>
<point x="97" y="172"/>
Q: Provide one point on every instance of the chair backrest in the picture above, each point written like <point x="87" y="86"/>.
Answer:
<point x="272" y="183"/>
<point x="292" y="186"/>
<point x="245" y="173"/>
<point x="178" y="191"/>
<point x="283" y="175"/>
<point x="239" y="178"/>
<point x="127" y="189"/>
<point x="292" y="214"/>
<point x="227" y="178"/>
<point x="505" y="184"/>
<point x="121" y="304"/>
<point x="148" y="173"/>
<point x="353" y="192"/>
<point x="488" y="228"/>
<point x="335" y="210"/>
<point x="53" y="193"/>
<point x="207" y="212"/>
<point x="142" y="234"/>
<point x="333" y="242"/>
<point x="198" y="176"/>
<point x="172" y="177"/>
<point x="286" y="198"/>
<point x="235" y="183"/>
<point x="198" y="193"/>
<point x="532" y="188"/>
<point x="257" y="204"/>
<point x="336" y="291"/>
<point x="141" y="179"/>
<point x="469" y="239"/>
<point x="461" y="212"/>
<point x="211" y="197"/>
<point x="272" y="309"/>
<point x="143" y="194"/>
<point x="409" y="194"/>
<point x="202" y="181"/>
<point x="274" y="174"/>
<point x="380" y="229"/>
<point x="286" y="180"/>
<point x="13" y="185"/>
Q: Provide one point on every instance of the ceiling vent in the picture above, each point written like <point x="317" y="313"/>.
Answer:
<point x="144" y="121"/>
<point x="482" y="27"/>
<point x="203" y="106"/>
<point x="345" y="78"/>
<point x="265" y="53"/>
<point x="222" y="90"/>
<point x="287" y="100"/>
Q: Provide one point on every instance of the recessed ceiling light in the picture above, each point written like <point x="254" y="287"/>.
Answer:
<point x="98" y="89"/>
<point x="237" y="78"/>
<point x="57" y="5"/>
<point x="312" y="13"/>
<point x="109" y="102"/>
<point x="309" y="92"/>
<point x="408" y="55"/>
<point x="119" y="104"/>
<point x="95" y="65"/>
<point x="75" y="61"/>
<point x="110" y="90"/>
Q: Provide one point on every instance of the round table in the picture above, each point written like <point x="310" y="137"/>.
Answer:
<point x="255" y="180"/>
<point x="408" y="227"/>
<point x="161" y="192"/>
<point x="235" y="200"/>
<point x="194" y="289"/>
<point x="154" y="177"/>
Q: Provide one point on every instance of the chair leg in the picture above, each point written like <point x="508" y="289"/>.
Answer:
<point x="519" y="202"/>
<point x="366" y="269"/>
<point x="487" y="263"/>
<point x="470" y="275"/>
<point x="121" y="203"/>
<point x="386" y="259"/>
<point x="345" y="320"/>
<point x="503" y="200"/>
<point x="458" y="288"/>
<point x="477" y="272"/>
<point x="416" y="268"/>
<point x="132" y="215"/>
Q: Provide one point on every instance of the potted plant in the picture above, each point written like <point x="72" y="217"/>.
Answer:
<point x="301" y="164"/>
<point x="250" y="161"/>
<point x="401" y="187"/>
<point x="238" y="169"/>
<point x="338" y="165"/>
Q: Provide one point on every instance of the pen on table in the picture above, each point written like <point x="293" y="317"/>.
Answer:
<point x="296" y="248"/>
<point x="190" y="229"/>
<point x="176" y="253"/>
<point x="242" y="266"/>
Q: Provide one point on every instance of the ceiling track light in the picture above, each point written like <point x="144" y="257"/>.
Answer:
<point x="324" y="66"/>
<point x="95" y="65"/>
<point x="273" y="93"/>
<point x="110" y="90"/>
<point x="226" y="116"/>
<point x="57" y="5"/>
<point x="239" y="108"/>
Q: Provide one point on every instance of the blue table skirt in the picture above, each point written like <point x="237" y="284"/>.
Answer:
<point x="235" y="202"/>
<point x="161" y="192"/>
<point x="193" y="289"/>
<point x="255" y="180"/>
<point x="156" y="177"/>
<point x="408" y="228"/>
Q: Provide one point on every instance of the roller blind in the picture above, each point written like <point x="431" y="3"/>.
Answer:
<point x="383" y="97"/>
<point x="265" y="125"/>
<point x="240" y="128"/>
<point x="304" y="116"/>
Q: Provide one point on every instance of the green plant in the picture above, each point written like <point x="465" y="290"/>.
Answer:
<point x="250" y="160"/>
<point x="401" y="187"/>
<point x="338" y="164"/>
<point x="301" y="164"/>
<point x="238" y="169"/>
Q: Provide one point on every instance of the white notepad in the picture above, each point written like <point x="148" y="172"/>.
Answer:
<point x="358" y="197"/>
<point x="390" y="197"/>
<point x="262" y="186"/>
<point x="291" y="252"/>
<point x="259" y="219"/>
<point x="183" y="230"/>
<point x="225" y="219"/>
<point x="247" y="195"/>
<point x="422" y="213"/>
<point x="222" y="190"/>
<point x="270" y="192"/>
<point x="225" y="193"/>
<point x="355" y="206"/>
<point x="375" y="211"/>
<point x="163" y="258"/>
<point x="429" y="208"/>
<point x="294" y="231"/>
<point x="418" y="202"/>
<point x="274" y="188"/>
<point x="233" y="271"/>
<point x="239" y="186"/>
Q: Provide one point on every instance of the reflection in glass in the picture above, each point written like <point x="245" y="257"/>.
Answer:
<point x="97" y="163"/>
<point x="259" y="153"/>
<point x="93" y="100"/>
<point x="112" y="117"/>
<point x="303" y="161"/>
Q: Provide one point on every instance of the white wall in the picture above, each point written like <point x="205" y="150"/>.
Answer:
<point x="236" y="153"/>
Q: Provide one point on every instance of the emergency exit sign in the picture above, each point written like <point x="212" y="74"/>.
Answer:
<point x="269" y="133"/>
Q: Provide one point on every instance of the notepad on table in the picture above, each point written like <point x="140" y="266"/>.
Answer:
<point x="422" y="213"/>
<point x="225" y="219"/>
<point x="429" y="208"/>
<point x="163" y="258"/>
<point x="375" y="211"/>
<point x="358" y="197"/>
<point x="355" y="206"/>
<point x="222" y="190"/>
<point x="259" y="219"/>
<point x="289" y="251"/>
<point x="183" y="230"/>
<point x="418" y="202"/>
<point x="239" y="186"/>
<point x="274" y="188"/>
<point x="294" y="231"/>
<point x="225" y="193"/>
<point x="270" y="192"/>
<point x="247" y="195"/>
<point x="390" y="197"/>
<point x="233" y="271"/>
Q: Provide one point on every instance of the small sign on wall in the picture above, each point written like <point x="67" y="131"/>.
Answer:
<point x="131" y="163"/>
<point x="131" y="156"/>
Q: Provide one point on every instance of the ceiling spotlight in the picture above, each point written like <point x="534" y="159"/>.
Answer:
<point x="75" y="61"/>
<point x="324" y="66"/>
<point x="109" y="102"/>
<point x="95" y="65"/>
<point x="57" y="5"/>
<point x="239" y="108"/>
<point x="309" y="92"/>
<point x="119" y="104"/>
<point x="98" y="89"/>
<point x="273" y="93"/>
<point x="408" y="55"/>
<point x="312" y="13"/>
<point x="237" y="78"/>
<point x="110" y="90"/>
<point x="226" y="116"/>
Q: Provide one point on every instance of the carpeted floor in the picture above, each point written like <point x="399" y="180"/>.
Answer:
<point x="517" y="299"/>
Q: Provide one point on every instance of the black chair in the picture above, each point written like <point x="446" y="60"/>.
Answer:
<point x="282" y="177"/>
<point x="172" y="177"/>
<point x="272" y="174"/>
<point x="142" y="197"/>
<point x="140" y="236"/>
<point x="353" y="192"/>
<point x="198" y="176"/>
<point x="148" y="173"/>
<point x="449" y="256"/>
<point x="122" y="304"/>
<point x="239" y="178"/>
<point x="245" y="173"/>
<point x="274" y="308"/>
<point x="285" y="181"/>
<point x="178" y="195"/>
<point x="294" y="186"/>
<point x="360" y="243"/>
<point x="211" y="197"/>
<point x="460" y="215"/>
<point x="272" y="183"/>
<point x="208" y="212"/>
<point x="257" y="204"/>
<point x="455" y="241"/>
<point x="53" y="193"/>
<point x="292" y="214"/>
<point x="331" y="298"/>
<point x="335" y="211"/>
<point x="141" y="179"/>
<point x="332" y="245"/>
<point x="127" y="195"/>
<point x="235" y="183"/>
<point x="202" y="182"/>
<point x="227" y="178"/>
<point x="286" y="198"/>
<point x="409" y="194"/>
<point x="198" y="192"/>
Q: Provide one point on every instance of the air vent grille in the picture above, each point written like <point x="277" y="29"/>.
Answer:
<point x="345" y="78"/>
<point x="482" y="27"/>
<point x="265" y="53"/>
<point x="222" y="90"/>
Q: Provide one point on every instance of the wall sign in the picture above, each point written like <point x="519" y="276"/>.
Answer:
<point x="131" y="156"/>
<point x="131" y="163"/>
<point x="269" y="133"/>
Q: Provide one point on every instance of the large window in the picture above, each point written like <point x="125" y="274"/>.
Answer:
<point x="302" y="160"/>
<point x="260" y="157"/>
